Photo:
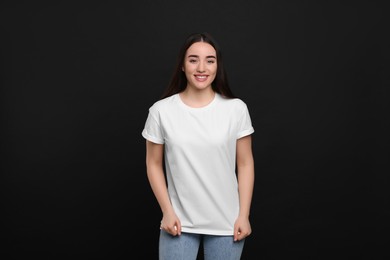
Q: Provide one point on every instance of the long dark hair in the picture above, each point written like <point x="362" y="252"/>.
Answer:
<point x="178" y="81"/>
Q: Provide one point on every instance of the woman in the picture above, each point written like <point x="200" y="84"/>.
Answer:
<point x="200" y="132"/>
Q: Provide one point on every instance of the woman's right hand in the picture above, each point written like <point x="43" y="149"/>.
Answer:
<point x="171" y="224"/>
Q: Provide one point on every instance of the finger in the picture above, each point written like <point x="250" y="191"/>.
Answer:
<point x="243" y="235"/>
<point x="173" y="231"/>
<point x="235" y="235"/>
<point x="178" y="227"/>
<point x="240" y="236"/>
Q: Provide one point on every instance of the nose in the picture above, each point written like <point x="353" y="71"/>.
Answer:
<point x="201" y="67"/>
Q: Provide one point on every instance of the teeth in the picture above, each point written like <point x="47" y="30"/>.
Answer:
<point x="201" y="77"/>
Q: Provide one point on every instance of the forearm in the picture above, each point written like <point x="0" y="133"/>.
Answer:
<point x="158" y="184"/>
<point x="246" y="178"/>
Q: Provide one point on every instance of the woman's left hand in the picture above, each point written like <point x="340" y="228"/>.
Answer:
<point x="242" y="228"/>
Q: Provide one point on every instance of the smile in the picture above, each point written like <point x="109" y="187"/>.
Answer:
<point x="201" y="76"/>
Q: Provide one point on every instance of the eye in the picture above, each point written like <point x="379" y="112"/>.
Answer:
<point x="211" y="61"/>
<point x="192" y="60"/>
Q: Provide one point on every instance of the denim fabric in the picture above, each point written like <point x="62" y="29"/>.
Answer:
<point x="186" y="246"/>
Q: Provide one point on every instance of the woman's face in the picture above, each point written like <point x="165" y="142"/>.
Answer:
<point x="200" y="65"/>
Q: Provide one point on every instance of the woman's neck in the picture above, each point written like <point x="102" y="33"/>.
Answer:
<point x="197" y="98"/>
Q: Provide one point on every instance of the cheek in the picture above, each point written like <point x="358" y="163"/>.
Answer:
<point x="189" y="67"/>
<point x="215" y="70"/>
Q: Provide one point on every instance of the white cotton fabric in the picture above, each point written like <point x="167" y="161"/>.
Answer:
<point x="200" y="159"/>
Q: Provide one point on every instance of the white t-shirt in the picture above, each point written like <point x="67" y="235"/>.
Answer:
<point x="200" y="159"/>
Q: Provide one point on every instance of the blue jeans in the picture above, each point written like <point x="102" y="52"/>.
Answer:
<point x="186" y="246"/>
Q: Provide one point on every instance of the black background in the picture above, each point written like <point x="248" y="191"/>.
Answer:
<point x="76" y="84"/>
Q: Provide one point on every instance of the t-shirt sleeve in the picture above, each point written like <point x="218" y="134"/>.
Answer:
<point x="245" y="124"/>
<point x="152" y="130"/>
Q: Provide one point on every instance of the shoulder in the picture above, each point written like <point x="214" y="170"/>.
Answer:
<point x="162" y="104"/>
<point x="234" y="103"/>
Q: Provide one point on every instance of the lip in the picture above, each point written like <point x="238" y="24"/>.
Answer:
<point x="201" y="77"/>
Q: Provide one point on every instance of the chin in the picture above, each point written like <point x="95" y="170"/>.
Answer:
<point x="201" y="86"/>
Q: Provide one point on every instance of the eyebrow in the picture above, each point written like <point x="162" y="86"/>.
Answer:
<point x="196" y="56"/>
